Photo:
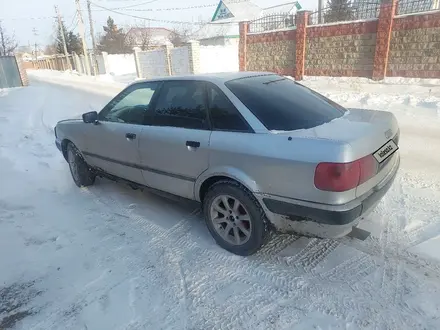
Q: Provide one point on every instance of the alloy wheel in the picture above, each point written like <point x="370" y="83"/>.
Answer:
<point x="231" y="220"/>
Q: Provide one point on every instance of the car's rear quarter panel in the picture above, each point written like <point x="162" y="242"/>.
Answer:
<point x="274" y="165"/>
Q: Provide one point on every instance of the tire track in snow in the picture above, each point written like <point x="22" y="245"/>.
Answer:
<point x="358" y="267"/>
<point x="275" y="285"/>
<point x="84" y="298"/>
<point x="277" y="243"/>
<point x="320" y="250"/>
<point x="316" y="251"/>
<point x="260" y="295"/>
<point x="216" y="258"/>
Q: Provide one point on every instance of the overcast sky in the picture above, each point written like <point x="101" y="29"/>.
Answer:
<point x="22" y="16"/>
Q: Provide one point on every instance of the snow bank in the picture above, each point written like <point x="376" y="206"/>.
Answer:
<point x="3" y="92"/>
<point x="119" y="64"/>
<point x="103" y="84"/>
<point x="386" y="81"/>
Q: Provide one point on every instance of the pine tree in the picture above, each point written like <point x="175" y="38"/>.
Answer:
<point x="338" y="10"/>
<point x="73" y="41"/>
<point x="114" y="40"/>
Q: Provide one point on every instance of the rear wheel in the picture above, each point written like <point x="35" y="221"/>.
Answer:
<point x="82" y="174"/>
<point x="235" y="218"/>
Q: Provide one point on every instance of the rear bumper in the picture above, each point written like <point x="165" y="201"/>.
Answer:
<point x="321" y="219"/>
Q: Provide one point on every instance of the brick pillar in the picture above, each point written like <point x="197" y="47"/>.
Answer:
<point x="137" y="63"/>
<point x="167" y="50"/>
<point x="242" y="49"/>
<point x="82" y="60"/>
<point x="194" y="56"/>
<point x="383" y="37"/>
<point x="301" y="35"/>
<point x="105" y="59"/>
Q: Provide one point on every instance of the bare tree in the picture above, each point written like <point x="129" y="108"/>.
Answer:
<point x="140" y="36"/>
<point x="51" y="49"/>
<point x="180" y="35"/>
<point x="7" y="43"/>
<point x="144" y="38"/>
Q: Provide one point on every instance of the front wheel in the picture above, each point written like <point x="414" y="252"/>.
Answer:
<point x="235" y="218"/>
<point x="82" y="174"/>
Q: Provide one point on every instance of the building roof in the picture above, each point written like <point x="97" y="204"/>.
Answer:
<point x="158" y="35"/>
<point x="236" y="11"/>
<point x="230" y="12"/>
<point x="290" y="8"/>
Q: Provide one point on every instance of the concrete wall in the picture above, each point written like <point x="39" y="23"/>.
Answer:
<point x="180" y="60"/>
<point x="415" y="46"/>
<point x="341" y="50"/>
<point x="101" y="64"/>
<point x="218" y="59"/>
<point x="154" y="63"/>
<point x="275" y="52"/>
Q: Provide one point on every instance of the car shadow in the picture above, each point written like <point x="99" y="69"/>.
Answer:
<point x="167" y="211"/>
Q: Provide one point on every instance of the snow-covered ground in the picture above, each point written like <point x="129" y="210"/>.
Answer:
<point x="108" y="257"/>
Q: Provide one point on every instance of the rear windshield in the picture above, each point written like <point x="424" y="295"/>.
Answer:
<point x="282" y="104"/>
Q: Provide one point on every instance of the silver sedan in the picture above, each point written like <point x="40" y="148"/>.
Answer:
<point x="258" y="150"/>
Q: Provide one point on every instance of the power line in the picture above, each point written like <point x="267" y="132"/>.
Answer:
<point x="128" y="8"/>
<point x="164" y="9"/>
<point x="73" y="21"/>
<point x="136" y="5"/>
<point x="152" y="19"/>
<point x="31" y="18"/>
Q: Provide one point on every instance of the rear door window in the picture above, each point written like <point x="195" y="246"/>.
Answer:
<point x="181" y="104"/>
<point x="224" y="115"/>
<point x="281" y="104"/>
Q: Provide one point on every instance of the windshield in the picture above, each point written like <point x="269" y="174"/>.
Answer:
<point x="282" y="104"/>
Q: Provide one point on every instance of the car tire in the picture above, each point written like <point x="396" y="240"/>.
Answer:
<point x="82" y="174"/>
<point x="252" y="233"/>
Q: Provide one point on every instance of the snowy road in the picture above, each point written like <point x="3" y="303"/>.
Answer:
<point x="108" y="257"/>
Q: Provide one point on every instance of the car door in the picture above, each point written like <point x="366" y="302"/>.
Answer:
<point x="174" y="145"/>
<point x="112" y="143"/>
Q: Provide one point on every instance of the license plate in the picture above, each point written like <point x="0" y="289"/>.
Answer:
<point x="385" y="151"/>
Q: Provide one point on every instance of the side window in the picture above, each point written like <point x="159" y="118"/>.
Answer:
<point x="131" y="105"/>
<point x="224" y="115"/>
<point x="181" y="104"/>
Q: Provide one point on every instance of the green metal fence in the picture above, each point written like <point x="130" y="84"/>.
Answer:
<point x="9" y="72"/>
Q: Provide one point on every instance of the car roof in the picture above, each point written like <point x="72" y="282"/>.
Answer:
<point x="220" y="77"/>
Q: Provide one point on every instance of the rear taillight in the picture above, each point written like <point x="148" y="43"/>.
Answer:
<point x="345" y="176"/>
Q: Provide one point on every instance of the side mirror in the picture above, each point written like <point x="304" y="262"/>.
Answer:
<point x="90" y="117"/>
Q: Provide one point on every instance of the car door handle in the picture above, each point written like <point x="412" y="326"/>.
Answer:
<point x="193" y="144"/>
<point x="130" y="136"/>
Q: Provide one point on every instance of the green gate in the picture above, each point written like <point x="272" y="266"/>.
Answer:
<point x="9" y="72"/>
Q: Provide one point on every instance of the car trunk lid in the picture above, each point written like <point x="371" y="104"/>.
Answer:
<point x="367" y="132"/>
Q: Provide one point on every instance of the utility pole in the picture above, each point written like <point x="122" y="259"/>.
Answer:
<point x="63" y="38"/>
<point x="83" y="37"/>
<point x="92" y="34"/>
<point x="34" y="30"/>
